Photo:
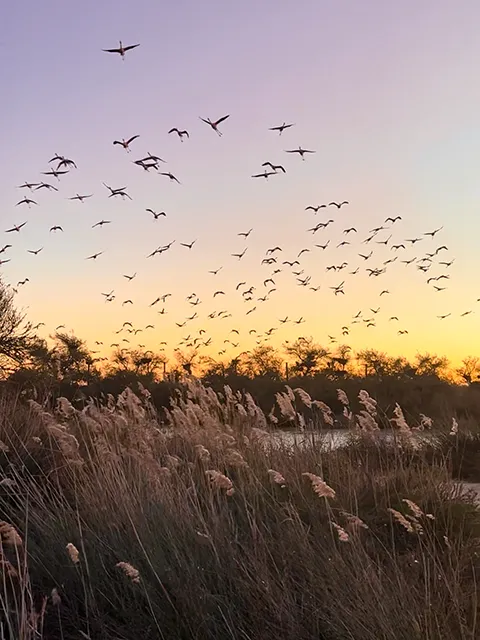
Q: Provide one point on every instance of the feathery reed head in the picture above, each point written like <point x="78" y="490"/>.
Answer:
<point x="73" y="553"/>
<point x="320" y="487"/>
<point x="130" y="571"/>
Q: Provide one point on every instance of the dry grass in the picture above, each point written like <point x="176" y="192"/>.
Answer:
<point x="118" y="525"/>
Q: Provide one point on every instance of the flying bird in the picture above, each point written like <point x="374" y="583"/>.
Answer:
<point x="215" y="124"/>
<point x="281" y="128"/>
<point x="35" y="252"/>
<point x="126" y="143"/>
<point x="315" y="209"/>
<point x="245" y="234"/>
<point x="94" y="256"/>
<point x="180" y="134"/>
<point x="170" y="175"/>
<point x="112" y="190"/>
<point x="434" y="232"/>
<point x="45" y="185"/>
<point x="28" y="185"/>
<point x="80" y="198"/>
<point x="62" y="162"/>
<point x="16" y="227"/>
<point x="301" y="152"/>
<point x="156" y="215"/>
<point x="56" y="227"/>
<point x="339" y="205"/>
<point x="121" y="50"/>
<point x="26" y="201"/>
<point x="239" y="255"/>
<point x="274" y="167"/>
<point x="120" y="192"/>
<point x="101" y="223"/>
<point x="265" y="174"/>
<point x="55" y="173"/>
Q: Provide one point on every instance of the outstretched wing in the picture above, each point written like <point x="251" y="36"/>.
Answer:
<point x="132" y="139"/>
<point x="112" y="50"/>
<point x="130" y="46"/>
<point x="221" y="120"/>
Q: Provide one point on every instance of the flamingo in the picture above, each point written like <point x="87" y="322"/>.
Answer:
<point x="126" y="143"/>
<point x="121" y="50"/>
<point x="215" y="124"/>
<point x="281" y="128"/>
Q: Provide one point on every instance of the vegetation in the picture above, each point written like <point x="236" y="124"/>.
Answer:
<point x="117" y="522"/>
<point x="187" y="509"/>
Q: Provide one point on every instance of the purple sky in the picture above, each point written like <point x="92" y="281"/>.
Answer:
<point x="386" y="93"/>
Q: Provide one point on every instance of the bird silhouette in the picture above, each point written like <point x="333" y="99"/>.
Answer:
<point x="214" y="125"/>
<point x="122" y="50"/>
<point x="179" y="133"/>
<point x="239" y="255"/>
<point x="27" y="201"/>
<point x="282" y="128"/>
<point x="156" y="215"/>
<point x="101" y="223"/>
<point x="16" y="227"/>
<point x="274" y="167"/>
<point x="126" y="143"/>
<point x="170" y="175"/>
<point x="301" y="152"/>
<point x="315" y="209"/>
<point x="80" y="198"/>
<point x="265" y="174"/>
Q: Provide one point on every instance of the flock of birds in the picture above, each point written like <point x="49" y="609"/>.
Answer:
<point x="433" y="263"/>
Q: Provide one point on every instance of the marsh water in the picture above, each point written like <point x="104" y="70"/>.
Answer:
<point x="335" y="438"/>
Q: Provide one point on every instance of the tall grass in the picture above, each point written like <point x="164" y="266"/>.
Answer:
<point x="120" y="523"/>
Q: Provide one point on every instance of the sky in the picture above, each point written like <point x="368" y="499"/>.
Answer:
<point x="386" y="94"/>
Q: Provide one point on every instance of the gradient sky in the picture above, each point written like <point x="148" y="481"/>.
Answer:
<point x="386" y="93"/>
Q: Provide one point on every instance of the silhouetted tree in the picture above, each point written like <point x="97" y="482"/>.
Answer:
<point x="470" y="369"/>
<point x="263" y="361"/>
<point x="378" y="364"/>
<point x="16" y="334"/>
<point x="136" y="362"/>
<point x="308" y="356"/>
<point x="72" y="361"/>
<point x="427" y="364"/>
<point x="338" y="362"/>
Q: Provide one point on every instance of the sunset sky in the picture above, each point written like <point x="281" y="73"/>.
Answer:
<point x="387" y="94"/>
